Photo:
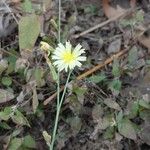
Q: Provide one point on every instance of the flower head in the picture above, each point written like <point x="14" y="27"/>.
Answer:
<point x="65" y="57"/>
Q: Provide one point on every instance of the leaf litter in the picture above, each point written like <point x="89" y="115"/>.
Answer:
<point x="109" y="108"/>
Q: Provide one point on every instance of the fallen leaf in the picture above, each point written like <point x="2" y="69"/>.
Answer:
<point x="114" y="46"/>
<point x="145" y="136"/>
<point x="112" y="12"/>
<point x="145" y="115"/>
<point x="112" y="104"/>
<point x="5" y="96"/>
<point x="21" y="64"/>
<point x="75" y="123"/>
<point x="102" y="124"/>
<point x="126" y="128"/>
<point x="3" y="65"/>
<point x="19" y="118"/>
<point x="145" y="39"/>
<point x="47" y="137"/>
<point x="97" y="112"/>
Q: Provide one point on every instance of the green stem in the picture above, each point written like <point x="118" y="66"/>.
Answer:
<point x="59" y="21"/>
<point x="65" y="88"/>
<point x="58" y="89"/>
<point x="55" y="129"/>
<point x="58" y="112"/>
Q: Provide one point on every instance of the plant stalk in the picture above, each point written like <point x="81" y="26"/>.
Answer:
<point x="58" y="112"/>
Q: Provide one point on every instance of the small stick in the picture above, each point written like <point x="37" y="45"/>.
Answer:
<point x="99" y="25"/>
<point x="101" y="65"/>
<point x="95" y="68"/>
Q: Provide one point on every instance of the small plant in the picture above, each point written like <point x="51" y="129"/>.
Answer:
<point x="64" y="58"/>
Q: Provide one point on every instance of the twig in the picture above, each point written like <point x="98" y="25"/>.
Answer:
<point x="92" y="70"/>
<point x="10" y="12"/>
<point x="9" y="53"/>
<point x="101" y="24"/>
<point x="101" y="65"/>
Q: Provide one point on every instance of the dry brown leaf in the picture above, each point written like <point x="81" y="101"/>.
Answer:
<point x="5" y="96"/>
<point x="144" y="135"/>
<point x="112" y="12"/>
<point x="145" y="40"/>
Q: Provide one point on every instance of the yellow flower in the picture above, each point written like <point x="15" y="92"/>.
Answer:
<point x="67" y="58"/>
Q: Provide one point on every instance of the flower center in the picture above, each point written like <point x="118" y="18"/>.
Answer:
<point x="68" y="57"/>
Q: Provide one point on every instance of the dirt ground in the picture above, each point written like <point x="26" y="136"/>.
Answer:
<point x="107" y="110"/>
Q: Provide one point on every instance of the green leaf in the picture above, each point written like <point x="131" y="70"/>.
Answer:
<point x="15" y="143"/>
<point x="29" y="142"/>
<point x="133" y="56"/>
<point x="53" y="71"/>
<point x="145" y="115"/>
<point x="74" y="104"/>
<point x="139" y="16"/>
<point x="12" y="63"/>
<point x="126" y="128"/>
<point x="38" y="73"/>
<point x="7" y="81"/>
<point x="134" y="110"/>
<point x="112" y="104"/>
<point x="79" y="90"/>
<point x="148" y="62"/>
<point x="119" y="116"/>
<point x="16" y="132"/>
<point x="19" y="118"/>
<point x="116" y="69"/>
<point x="27" y="6"/>
<point x="29" y="29"/>
<point x="109" y="133"/>
<point x="136" y="19"/>
<point x="5" y="115"/>
<point x="97" y="78"/>
<point x="115" y="86"/>
<point x="4" y="125"/>
<point x="75" y="123"/>
<point x="144" y="104"/>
